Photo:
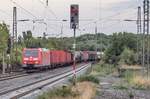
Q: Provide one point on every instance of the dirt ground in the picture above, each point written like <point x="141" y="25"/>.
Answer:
<point x="106" y="90"/>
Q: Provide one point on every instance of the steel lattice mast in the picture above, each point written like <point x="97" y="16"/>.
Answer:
<point x="15" y="29"/>
<point x="139" y="31"/>
<point x="146" y="34"/>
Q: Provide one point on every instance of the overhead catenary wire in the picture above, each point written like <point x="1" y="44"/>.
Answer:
<point x="106" y="21"/>
<point x="29" y="13"/>
<point x="118" y="13"/>
<point x="23" y="9"/>
<point x="49" y="9"/>
<point x="110" y="16"/>
<point x="90" y="22"/>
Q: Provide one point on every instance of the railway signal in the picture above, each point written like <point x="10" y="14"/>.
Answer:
<point x="74" y="24"/>
<point x="9" y="45"/>
<point x="46" y="2"/>
<point x="74" y="16"/>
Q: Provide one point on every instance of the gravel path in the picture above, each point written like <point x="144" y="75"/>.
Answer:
<point x="106" y="90"/>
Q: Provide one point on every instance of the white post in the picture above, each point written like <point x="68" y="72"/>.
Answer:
<point x="3" y="64"/>
<point x="9" y="66"/>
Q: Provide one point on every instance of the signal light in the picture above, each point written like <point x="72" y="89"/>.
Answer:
<point x="9" y="45"/>
<point x="72" y="19"/>
<point x="74" y="16"/>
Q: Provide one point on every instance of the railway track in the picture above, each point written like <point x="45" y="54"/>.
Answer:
<point x="8" y="74"/>
<point x="12" y="76"/>
<point x="28" y="88"/>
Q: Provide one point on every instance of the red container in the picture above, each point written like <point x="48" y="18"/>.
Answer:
<point x="58" y="57"/>
<point x="85" y="55"/>
<point x="68" y="60"/>
<point x="62" y="57"/>
<point x="92" y="55"/>
<point x="53" y="57"/>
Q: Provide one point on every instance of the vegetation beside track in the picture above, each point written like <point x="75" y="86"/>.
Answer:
<point x="92" y="80"/>
<point x="85" y="87"/>
<point x="137" y="81"/>
<point x="134" y="80"/>
<point x="82" y="90"/>
<point x="102" y="69"/>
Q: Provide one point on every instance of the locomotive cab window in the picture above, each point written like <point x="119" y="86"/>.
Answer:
<point x="31" y="53"/>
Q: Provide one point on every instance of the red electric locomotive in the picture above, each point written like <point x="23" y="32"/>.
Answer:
<point x="35" y="58"/>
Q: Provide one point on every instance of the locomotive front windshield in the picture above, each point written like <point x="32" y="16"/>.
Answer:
<point x="31" y="53"/>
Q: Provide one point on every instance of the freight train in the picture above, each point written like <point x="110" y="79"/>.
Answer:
<point x="40" y="58"/>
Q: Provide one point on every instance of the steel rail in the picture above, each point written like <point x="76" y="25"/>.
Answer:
<point x="13" y="76"/>
<point x="53" y="79"/>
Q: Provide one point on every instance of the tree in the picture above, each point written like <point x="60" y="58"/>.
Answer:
<point x="120" y="41"/>
<point x="4" y="35"/>
<point x="127" y="57"/>
<point x="20" y="40"/>
<point x="28" y="39"/>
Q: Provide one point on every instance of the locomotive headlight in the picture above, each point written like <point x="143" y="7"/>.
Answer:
<point x="36" y="62"/>
<point x="26" y="59"/>
<point x="25" y="62"/>
<point x="35" y="59"/>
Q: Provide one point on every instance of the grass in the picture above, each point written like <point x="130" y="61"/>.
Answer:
<point x="87" y="90"/>
<point x="82" y="90"/>
<point x="102" y="69"/>
<point x="89" y="78"/>
<point x="128" y="76"/>
<point x="94" y="72"/>
<point x="63" y="92"/>
<point x="137" y="81"/>
<point x="140" y="82"/>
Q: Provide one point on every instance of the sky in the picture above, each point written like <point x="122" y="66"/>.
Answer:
<point x="107" y="15"/>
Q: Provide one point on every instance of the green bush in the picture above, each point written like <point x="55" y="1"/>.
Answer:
<point x="103" y="69"/>
<point x="90" y="78"/>
<point x="127" y="57"/>
<point x="64" y="91"/>
<point x="128" y="75"/>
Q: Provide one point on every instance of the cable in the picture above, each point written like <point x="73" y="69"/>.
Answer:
<point x="49" y="9"/>
<point x="130" y="6"/>
<point x="107" y="20"/>
<point x="23" y="9"/>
